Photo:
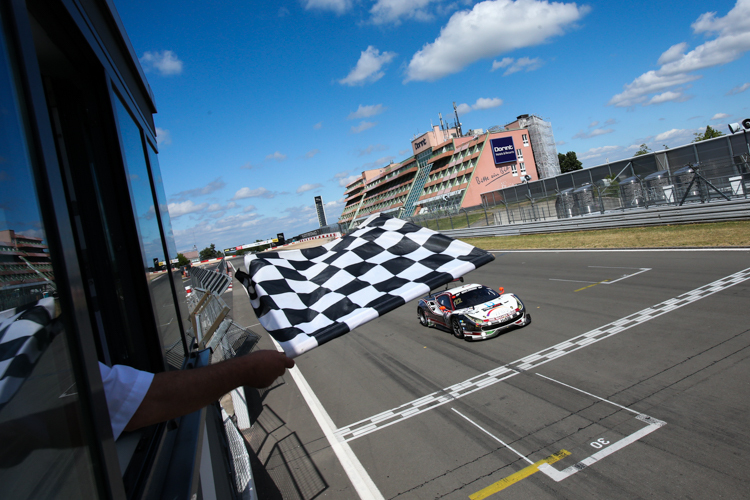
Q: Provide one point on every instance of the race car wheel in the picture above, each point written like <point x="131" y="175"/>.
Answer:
<point x="528" y="320"/>
<point x="458" y="331"/>
<point x="422" y="317"/>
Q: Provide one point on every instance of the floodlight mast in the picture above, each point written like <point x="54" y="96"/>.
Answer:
<point x="736" y="127"/>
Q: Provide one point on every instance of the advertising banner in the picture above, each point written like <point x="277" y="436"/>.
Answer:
<point x="503" y="150"/>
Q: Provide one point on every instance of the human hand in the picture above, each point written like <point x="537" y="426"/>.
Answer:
<point x="263" y="367"/>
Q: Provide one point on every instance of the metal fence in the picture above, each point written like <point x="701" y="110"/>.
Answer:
<point x="214" y="281"/>
<point x="703" y="172"/>
<point x="659" y="215"/>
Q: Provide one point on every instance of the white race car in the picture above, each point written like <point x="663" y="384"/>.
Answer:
<point x="473" y="312"/>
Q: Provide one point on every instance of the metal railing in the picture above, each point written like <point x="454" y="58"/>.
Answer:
<point x="658" y="215"/>
<point x="213" y="281"/>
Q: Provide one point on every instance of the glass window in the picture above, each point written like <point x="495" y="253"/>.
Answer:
<point x="523" y="167"/>
<point x="514" y="168"/>
<point x="166" y="224"/>
<point x="519" y="154"/>
<point x="44" y="453"/>
<point x="152" y="250"/>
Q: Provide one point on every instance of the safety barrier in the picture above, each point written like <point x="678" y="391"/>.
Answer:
<point x="662" y="215"/>
<point x="214" y="281"/>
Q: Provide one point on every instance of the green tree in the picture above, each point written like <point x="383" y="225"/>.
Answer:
<point x="643" y="151"/>
<point x="710" y="133"/>
<point x="182" y="260"/>
<point x="209" y="253"/>
<point x="569" y="162"/>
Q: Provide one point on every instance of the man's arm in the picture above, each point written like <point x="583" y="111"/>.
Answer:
<point x="176" y="393"/>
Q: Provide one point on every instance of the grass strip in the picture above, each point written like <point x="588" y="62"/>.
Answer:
<point x="710" y="235"/>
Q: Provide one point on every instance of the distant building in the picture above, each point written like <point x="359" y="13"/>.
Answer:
<point x="192" y="255"/>
<point x="449" y="170"/>
<point x="25" y="268"/>
<point x="321" y="211"/>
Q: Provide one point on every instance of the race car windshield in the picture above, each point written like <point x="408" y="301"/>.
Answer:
<point x="474" y="297"/>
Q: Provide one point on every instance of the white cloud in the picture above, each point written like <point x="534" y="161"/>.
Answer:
<point x="362" y="127"/>
<point x="283" y="12"/>
<point x="594" y="133"/>
<point x="165" y="63"/>
<point x="249" y="208"/>
<point x="593" y="124"/>
<point x="246" y="192"/>
<point x="732" y="41"/>
<point x="672" y="54"/>
<point x="247" y="166"/>
<point x="308" y="187"/>
<point x="163" y="137"/>
<point x="366" y="111"/>
<point x="482" y="103"/>
<point x="674" y="133"/>
<point x="720" y="116"/>
<point x="668" y="96"/>
<point x="372" y="148"/>
<point x="514" y="66"/>
<point x="276" y="156"/>
<point x="393" y="11"/>
<point x="185" y="207"/>
<point x="311" y="153"/>
<point x="209" y="188"/>
<point x="504" y="63"/>
<point x="611" y="121"/>
<point x="487" y="103"/>
<point x="368" y="68"/>
<point x="318" y="126"/>
<point x="345" y="181"/>
<point x="337" y="6"/>
<point x="471" y="35"/>
<point x="596" y="152"/>
<point x="739" y="89"/>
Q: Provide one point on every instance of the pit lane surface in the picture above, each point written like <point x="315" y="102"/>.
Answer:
<point x="630" y="382"/>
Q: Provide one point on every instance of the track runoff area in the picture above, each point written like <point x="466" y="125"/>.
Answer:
<point x="630" y="382"/>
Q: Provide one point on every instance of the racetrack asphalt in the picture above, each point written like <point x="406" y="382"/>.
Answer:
<point x="631" y="382"/>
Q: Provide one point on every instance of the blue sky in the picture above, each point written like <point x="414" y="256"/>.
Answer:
<point x="264" y="105"/>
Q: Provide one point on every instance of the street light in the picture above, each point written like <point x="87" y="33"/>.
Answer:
<point x="745" y="126"/>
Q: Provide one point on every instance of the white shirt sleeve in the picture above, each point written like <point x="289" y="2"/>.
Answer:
<point x="124" y="389"/>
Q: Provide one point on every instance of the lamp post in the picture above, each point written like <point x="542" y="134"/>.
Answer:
<point x="736" y="127"/>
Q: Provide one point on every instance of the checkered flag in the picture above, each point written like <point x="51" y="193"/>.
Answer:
<point x="25" y="332"/>
<point x="307" y="297"/>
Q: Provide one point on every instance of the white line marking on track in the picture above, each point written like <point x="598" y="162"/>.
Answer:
<point x="612" y="250"/>
<point x="653" y="424"/>
<point x="357" y="474"/>
<point x="589" y="394"/>
<point x="481" y="381"/>
<point x="641" y="270"/>
<point x="492" y="436"/>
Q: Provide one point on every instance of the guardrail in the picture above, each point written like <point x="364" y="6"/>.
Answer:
<point x="663" y="215"/>
<point x="213" y="281"/>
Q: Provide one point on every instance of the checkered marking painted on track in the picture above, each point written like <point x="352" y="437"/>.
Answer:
<point x="439" y="398"/>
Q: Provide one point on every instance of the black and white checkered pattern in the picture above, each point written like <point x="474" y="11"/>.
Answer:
<point x="307" y="297"/>
<point x="24" y="335"/>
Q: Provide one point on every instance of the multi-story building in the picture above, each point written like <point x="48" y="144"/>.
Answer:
<point x="449" y="170"/>
<point x="25" y="269"/>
